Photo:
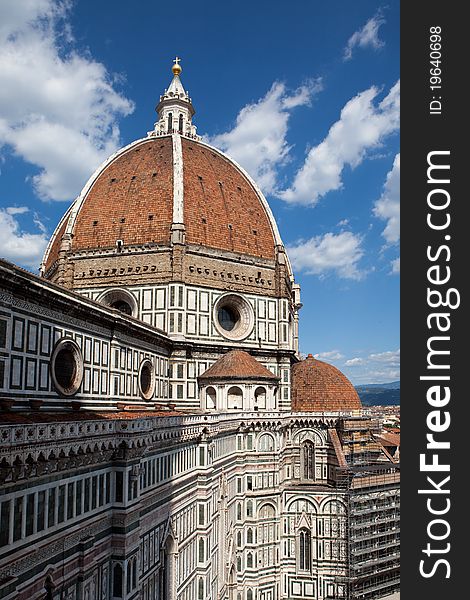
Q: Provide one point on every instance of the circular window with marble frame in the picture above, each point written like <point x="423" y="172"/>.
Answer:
<point x="146" y="379"/>
<point x="233" y="316"/>
<point x="66" y="367"/>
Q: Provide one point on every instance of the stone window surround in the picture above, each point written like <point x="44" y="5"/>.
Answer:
<point x="61" y="345"/>
<point x="243" y="308"/>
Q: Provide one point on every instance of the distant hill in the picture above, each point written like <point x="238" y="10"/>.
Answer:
<point x="376" y="394"/>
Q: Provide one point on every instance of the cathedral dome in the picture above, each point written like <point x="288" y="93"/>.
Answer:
<point x="319" y="386"/>
<point x="132" y="198"/>
<point x="166" y="185"/>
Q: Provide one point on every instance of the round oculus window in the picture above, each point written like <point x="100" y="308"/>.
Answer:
<point x="233" y="317"/>
<point x="228" y="317"/>
<point x="67" y="367"/>
<point x="120" y="300"/>
<point x="146" y="379"/>
<point x="122" y="306"/>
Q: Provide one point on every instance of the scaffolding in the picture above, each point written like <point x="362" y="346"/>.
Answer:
<point x="372" y="489"/>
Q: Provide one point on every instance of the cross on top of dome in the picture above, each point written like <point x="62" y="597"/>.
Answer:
<point x="177" y="68"/>
<point x="175" y="109"/>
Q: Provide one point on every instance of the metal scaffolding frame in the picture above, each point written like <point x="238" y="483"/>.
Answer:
<point x="372" y="489"/>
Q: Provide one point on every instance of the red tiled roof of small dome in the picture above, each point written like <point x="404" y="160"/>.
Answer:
<point x="319" y="386"/>
<point x="238" y="364"/>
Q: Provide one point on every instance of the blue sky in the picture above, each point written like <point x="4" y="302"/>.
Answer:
<point x="305" y="95"/>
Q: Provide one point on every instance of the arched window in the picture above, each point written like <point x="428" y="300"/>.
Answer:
<point x="49" y="587"/>
<point x="170" y="122"/>
<point x="266" y="443"/>
<point x="129" y="576"/>
<point x="239" y="512"/>
<point x="305" y="549"/>
<point x="239" y="539"/>
<point x="120" y="299"/>
<point x="210" y="397"/>
<point x="134" y="573"/>
<point x="308" y="459"/>
<point x="249" y="536"/>
<point x="249" y="595"/>
<point x="180" y="124"/>
<point x="239" y="563"/>
<point x="260" y="397"/>
<point x="122" y="306"/>
<point x="267" y="511"/>
<point x="201" y="552"/>
<point x="117" y="581"/>
<point x="249" y="561"/>
<point x="249" y="508"/>
<point x="200" y="589"/>
<point x="235" y="398"/>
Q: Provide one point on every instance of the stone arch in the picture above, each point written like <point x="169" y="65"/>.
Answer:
<point x="210" y="398"/>
<point x="332" y="506"/>
<point x="267" y="511"/>
<point x="120" y="299"/>
<point x="304" y="434"/>
<point x="49" y="587"/>
<point x="266" y="442"/>
<point x="235" y="397"/>
<point x="307" y="460"/>
<point x="260" y="397"/>
<point x="169" y="552"/>
<point x="301" y="505"/>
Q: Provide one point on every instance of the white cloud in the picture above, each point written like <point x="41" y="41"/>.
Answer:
<point x="59" y="109"/>
<point x="376" y="367"/>
<point x="352" y="362"/>
<point x="17" y="245"/>
<point x="258" y="139"/>
<point x="395" y="266"/>
<point x="377" y="376"/>
<point x="14" y="14"/>
<point x="387" y="207"/>
<point x="390" y="357"/>
<point x="330" y="355"/>
<point x="367" y="36"/>
<point x="16" y="210"/>
<point x="339" y="253"/>
<point x="363" y="125"/>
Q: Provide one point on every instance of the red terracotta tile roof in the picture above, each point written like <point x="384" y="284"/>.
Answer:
<point x="319" y="386"/>
<point x="38" y="417"/>
<point x="221" y="208"/>
<point x="389" y="439"/>
<point x="137" y="184"/>
<point x="238" y="364"/>
<point x="132" y="200"/>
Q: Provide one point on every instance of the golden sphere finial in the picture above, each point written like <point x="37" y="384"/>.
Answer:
<point x="177" y="68"/>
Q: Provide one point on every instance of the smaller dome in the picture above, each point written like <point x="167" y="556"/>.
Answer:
<point x="320" y="387"/>
<point x="238" y="364"/>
